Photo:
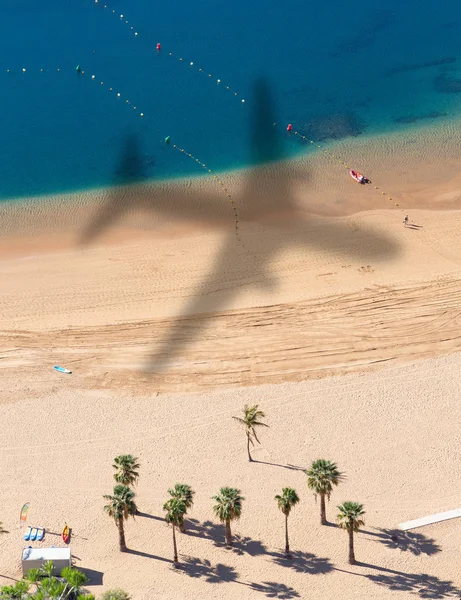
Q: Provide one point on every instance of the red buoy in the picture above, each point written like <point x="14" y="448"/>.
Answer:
<point x="159" y="47"/>
<point x="289" y="127"/>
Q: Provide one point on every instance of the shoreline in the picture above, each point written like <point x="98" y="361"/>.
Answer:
<point x="336" y="144"/>
<point x="423" y="172"/>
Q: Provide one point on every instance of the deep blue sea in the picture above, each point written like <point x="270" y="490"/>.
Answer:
<point x="333" y="69"/>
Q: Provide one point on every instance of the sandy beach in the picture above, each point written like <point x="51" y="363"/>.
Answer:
<point x="322" y="308"/>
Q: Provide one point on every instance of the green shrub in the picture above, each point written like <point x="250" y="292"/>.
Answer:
<point x="115" y="595"/>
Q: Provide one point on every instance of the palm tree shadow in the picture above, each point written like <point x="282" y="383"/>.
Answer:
<point x="267" y="199"/>
<point x="199" y="568"/>
<point x="195" y="567"/>
<point x="215" y="533"/>
<point x="405" y="541"/>
<point x="273" y="589"/>
<point x="149" y="516"/>
<point x="290" y="467"/>
<point x="304" y="562"/>
<point x="420" y="584"/>
<point x="147" y="555"/>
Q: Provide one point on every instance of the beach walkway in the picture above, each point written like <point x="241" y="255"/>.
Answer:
<point x="443" y="516"/>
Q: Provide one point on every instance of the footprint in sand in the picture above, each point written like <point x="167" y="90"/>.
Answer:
<point x="367" y="269"/>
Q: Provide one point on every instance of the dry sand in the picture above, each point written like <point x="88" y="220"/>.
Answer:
<point x="170" y="323"/>
<point x="395" y="434"/>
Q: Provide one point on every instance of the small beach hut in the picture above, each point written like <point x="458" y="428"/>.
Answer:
<point x="35" y="558"/>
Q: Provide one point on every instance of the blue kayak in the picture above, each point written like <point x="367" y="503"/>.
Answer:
<point x="62" y="370"/>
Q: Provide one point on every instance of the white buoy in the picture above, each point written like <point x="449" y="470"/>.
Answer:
<point x="23" y="70"/>
<point x="191" y="64"/>
<point x="93" y="77"/>
<point x="142" y="114"/>
<point x="219" y="81"/>
<point x="118" y="95"/>
<point x="136" y="33"/>
<point x="243" y="101"/>
<point x="121" y="16"/>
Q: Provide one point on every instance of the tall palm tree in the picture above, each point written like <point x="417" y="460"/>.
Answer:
<point x="250" y="420"/>
<point x="228" y="508"/>
<point x="126" y="467"/>
<point x="285" y="502"/>
<point x="175" y="510"/>
<point x="350" y="518"/>
<point x="3" y="530"/>
<point x="183" y="492"/>
<point x="121" y="506"/>
<point x="321" y="478"/>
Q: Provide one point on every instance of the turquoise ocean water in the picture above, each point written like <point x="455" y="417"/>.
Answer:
<point x="335" y="70"/>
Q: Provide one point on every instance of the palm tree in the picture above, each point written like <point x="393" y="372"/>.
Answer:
<point x="3" y="530"/>
<point x="175" y="509"/>
<point x="126" y="467"/>
<point x="285" y="502"/>
<point x="183" y="492"/>
<point x="121" y="506"/>
<point x="349" y="518"/>
<point x="250" y="421"/>
<point x="228" y="508"/>
<point x="321" y="478"/>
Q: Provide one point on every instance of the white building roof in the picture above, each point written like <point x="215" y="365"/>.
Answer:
<point x="46" y="554"/>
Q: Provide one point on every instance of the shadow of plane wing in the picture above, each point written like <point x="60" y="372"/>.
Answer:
<point x="130" y="170"/>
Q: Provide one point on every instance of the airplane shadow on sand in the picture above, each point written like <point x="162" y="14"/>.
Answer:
<point x="267" y="198"/>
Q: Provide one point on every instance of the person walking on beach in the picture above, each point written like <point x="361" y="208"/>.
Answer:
<point x="405" y="221"/>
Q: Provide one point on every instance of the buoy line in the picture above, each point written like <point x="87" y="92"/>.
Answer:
<point x="218" y="180"/>
<point x="289" y="128"/>
<point x="117" y="94"/>
<point x="158" y="48"/>
<point x="121" y="17"/>
<point x="199" y="69"/>
<point x="24" y="70"/>
<point x="334" y="157"/>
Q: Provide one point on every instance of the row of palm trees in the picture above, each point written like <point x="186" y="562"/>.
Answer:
<point x="321" y="478"/>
